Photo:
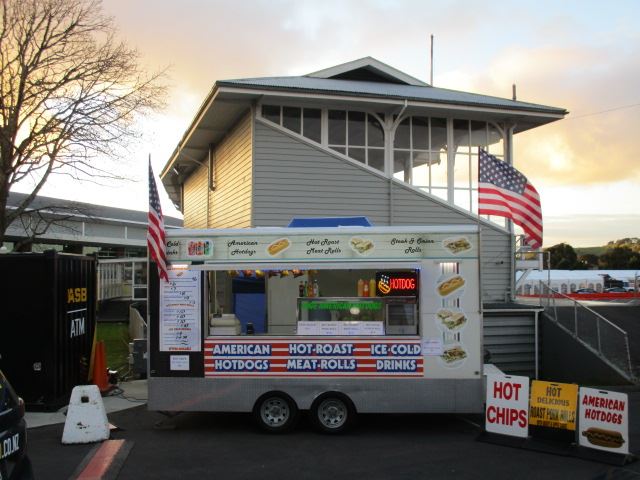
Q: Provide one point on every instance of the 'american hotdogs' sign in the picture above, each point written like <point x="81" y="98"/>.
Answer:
<point x="604" y="420"/>
<point x="288" y="245"/>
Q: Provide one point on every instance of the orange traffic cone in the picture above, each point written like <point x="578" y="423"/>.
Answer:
<point x="100" y="378"/>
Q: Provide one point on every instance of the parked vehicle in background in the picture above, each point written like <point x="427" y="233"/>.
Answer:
<point x="585" y="290"/>
<point x="14" y="463"/>
<point x="615" y="290"/>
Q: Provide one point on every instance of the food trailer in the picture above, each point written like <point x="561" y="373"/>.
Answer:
<point x="334" y="320"/>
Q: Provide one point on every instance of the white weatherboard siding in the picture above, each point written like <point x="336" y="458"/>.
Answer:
<point x="293" y="179"/>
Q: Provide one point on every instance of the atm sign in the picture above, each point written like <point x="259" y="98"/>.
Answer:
<point x="399" y="284"/>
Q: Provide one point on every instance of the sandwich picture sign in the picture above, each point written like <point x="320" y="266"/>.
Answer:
<point x="604" y="420"/>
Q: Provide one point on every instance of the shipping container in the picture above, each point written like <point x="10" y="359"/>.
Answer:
<point x="48" y="323"/>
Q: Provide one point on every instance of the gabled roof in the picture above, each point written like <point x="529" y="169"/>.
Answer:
<point x="363" y="83"/>
<point x="367" y="69"/>
<point x="374" y="89"/>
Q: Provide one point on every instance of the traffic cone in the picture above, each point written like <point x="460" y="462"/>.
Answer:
<point x="100" y="378"/>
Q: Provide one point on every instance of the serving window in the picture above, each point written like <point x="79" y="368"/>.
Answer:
<point x="322" y="302"/>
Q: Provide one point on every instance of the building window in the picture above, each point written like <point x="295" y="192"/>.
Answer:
<point x="436" y="155"/>
<point x="303" y="121"/>
<point x="420" y="154"/>
<point x="358" y="135"/>
<point x="468" y="136"/>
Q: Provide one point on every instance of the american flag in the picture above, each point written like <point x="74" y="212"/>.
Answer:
<point x="155" y="233"/>
<point x="503" y="191"/>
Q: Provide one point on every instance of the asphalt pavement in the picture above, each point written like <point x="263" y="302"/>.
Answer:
<point x="230" y="446"/>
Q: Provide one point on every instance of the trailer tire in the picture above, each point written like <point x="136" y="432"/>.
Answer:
<point x="333" y="412"/>
<point x="275" y="412"/>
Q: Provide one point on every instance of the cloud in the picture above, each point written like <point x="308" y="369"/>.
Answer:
<point x="581" y="56"/>
<point x="589" y="230"/>
<point x="583" y="148"/>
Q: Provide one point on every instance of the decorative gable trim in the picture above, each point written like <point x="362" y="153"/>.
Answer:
<point x="375" y="66"/>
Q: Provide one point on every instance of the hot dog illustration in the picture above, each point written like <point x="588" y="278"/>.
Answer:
<point x="451" y="285"/>
<point x="278" y="246"/>
<point x="603" y="438"/>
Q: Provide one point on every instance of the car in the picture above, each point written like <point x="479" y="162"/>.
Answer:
<point x="585" y="290"/>
<point x="14" y="463"/>
<point x="615" y="290"/>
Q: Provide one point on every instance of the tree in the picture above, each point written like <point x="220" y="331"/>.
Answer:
<point x="563" y="257"/>
<point x="588" y="260"/>
<point x="620" y="258"/>
<point x="70" y="94"/>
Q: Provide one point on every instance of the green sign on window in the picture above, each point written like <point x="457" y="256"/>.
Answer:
<point x="321" y="305"/>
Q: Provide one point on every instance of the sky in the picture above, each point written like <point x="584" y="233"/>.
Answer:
<point x="583" y="56"/>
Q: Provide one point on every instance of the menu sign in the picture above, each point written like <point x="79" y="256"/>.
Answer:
<point x="340" y="328"/>
<point x="553" y="405"/>
<point x="506" y="405"/>
<point x="180" y="312"/>
<point x="309" y="357"/>
<point x="322" y="247"/>
<point x="604" y="420"/>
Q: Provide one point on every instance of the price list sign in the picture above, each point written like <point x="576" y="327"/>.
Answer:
<point x="180" y="303"/>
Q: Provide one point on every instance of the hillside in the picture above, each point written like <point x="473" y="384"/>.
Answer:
<point x="590" y="250"/>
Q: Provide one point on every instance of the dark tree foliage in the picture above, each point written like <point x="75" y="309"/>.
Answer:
<point x="70" y="94"/>
<point x="621" y="258"/>
<point x="563" y="257"/>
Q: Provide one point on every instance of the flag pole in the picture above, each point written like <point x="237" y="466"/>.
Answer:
<point x="480" y="283"/>
<point x="148" y="319"/>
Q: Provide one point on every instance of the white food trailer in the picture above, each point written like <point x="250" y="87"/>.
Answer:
<point x="337" y="321"/>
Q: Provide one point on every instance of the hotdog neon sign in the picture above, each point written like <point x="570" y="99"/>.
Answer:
<point x="396" y="284"/>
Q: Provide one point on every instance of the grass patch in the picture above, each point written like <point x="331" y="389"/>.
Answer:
<point x="116" y="343"/>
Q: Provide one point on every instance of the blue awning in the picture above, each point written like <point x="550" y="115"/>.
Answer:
<point x="330" y="222"/>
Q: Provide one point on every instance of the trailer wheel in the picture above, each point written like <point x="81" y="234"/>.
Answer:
<point x="333" y="413"/>
<point x="275" y="412"/>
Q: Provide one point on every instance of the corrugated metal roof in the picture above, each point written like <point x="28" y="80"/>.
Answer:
<point x="90" y="210"/>
<point x="386" y="90"/>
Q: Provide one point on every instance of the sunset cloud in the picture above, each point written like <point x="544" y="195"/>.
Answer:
<point x="580" y="55"/>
